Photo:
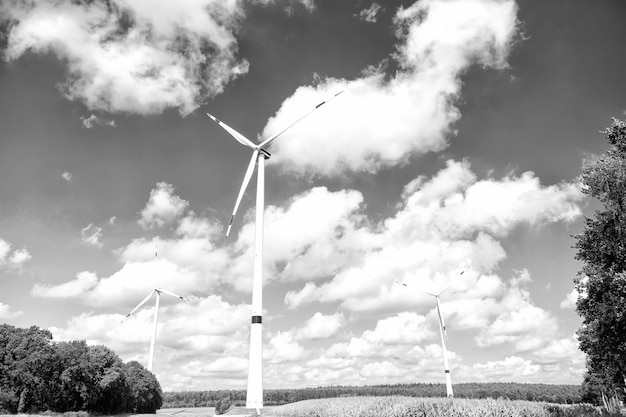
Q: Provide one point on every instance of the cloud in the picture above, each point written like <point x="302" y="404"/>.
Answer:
<point x="380" y="121"/>
<point x="320" y="326"/>
<point x="6" y="312"/>
<point x="370" y="14"/>
<point x="132" y="56"/>
<point x="441" y="224"/>
<point x="93" y="120"/>
<point x="12" y="259"/>
<point x="570" y="299"/>
<point x="218" y="334"/>
<point x="91" y="235"/>
<point x="163" y="207"/>
<point x="67" y="176"/>
<point x="84" y="281"/>
<point x="19" y="257"/>
<point x="112" y="220"/>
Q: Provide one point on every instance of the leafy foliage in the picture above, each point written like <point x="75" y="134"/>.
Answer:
<point x="223" y="405"/>
<point x="602" y="281"/>
<point x="532" y="392"/>
<point x="39" y="375"/>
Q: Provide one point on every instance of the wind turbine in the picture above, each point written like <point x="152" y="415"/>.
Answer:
<point x="254" y="394"/>
<point x="158" y="291"/>
<point x="444" y="334"/>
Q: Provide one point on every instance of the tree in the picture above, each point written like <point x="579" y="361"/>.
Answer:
<point x="223" y="405"/>
<point x="602" y="281"/>
<point x="145" y="392"/>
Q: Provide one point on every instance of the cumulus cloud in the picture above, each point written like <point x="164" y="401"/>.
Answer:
<point x="12" y="259"/>
<point x="433" y="233"/>
<point x="381" y="121"/>
<point x="415" y="244"/>
<point x="570" y="299"/>
<point x="370" y="14"/>
<point x="163" y="207"/>
<point x="91" y="235"/>
<point x="218" y="333"/>
<point x="321" y="326"/>
<point x="67" y="176"/>
<point x="132" y="56"/>
<point x="84" y="281"/>
<point x="93" y="120"/>
<point x="7" y="313"/>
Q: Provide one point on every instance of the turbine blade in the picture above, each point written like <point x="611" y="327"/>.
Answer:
<point x="172" y="294"/>
<point x="238" y="136"/>
<point x="145" y="300"/>
<point x="429" y="293"/>
<point x="271" y="138"/>
<point x="242" y="190"/>
<point x="443" y="289"/>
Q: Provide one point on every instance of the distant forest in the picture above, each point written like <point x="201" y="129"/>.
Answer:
<point x="563" y="394"/>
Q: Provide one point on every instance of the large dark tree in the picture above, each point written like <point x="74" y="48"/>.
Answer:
<point x="602" y="281"/>
<point x="39" y="375"/>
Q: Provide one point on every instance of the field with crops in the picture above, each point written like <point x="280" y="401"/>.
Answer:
<point x="428" y="407"/>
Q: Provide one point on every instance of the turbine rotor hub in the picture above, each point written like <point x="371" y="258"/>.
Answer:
<point x="265" y="153"/>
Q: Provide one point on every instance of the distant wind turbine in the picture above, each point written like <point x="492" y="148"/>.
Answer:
<point x="444" y="334"/>
<point x="254" y="395"/>
<point x="158" y="291"/>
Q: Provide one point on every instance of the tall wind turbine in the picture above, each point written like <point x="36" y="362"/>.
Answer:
<point x="158" y="291"/>
<point x="254" y="394"/>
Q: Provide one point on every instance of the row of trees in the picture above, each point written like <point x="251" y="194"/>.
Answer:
<point x="601" y="283"/>
<point x="533" y="392"/>
<point x="39" y="375"/>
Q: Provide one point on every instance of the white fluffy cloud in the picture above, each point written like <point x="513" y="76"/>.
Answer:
<point x="208" y="327"/>
<point x="370" y="14"/>
<point x="7" y="313"/>
<point x="443" y="223"/>
<point x="380" y="122"/>
<point x="93" y="120"/>
<point x="163" y="207"/>
<point x="84" y="282"/>
<point x="67" y="176"/>
<point x="12" y="259"/>
<point x="321" y="326"/>
<point x="132" y="55"/>
<point x="91" y="235"/>
<point x="361" y="259"/>
<point x="570" y="299"/>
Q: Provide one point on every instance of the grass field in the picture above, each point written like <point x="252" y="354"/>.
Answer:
<point x="427" y="407"/>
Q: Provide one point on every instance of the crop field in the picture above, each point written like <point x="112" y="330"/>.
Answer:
<point x="428" y="407"/>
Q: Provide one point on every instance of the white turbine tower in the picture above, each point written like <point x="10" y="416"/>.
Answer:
<point x="158" y="291"/>
<point x="254" y="394"/>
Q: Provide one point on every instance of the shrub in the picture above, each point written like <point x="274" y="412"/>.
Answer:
<point x="223" y="405"/>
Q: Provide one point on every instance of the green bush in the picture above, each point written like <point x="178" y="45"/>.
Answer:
<point x="223" y="405"/>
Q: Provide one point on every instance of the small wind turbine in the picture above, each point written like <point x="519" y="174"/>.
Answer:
<point x="158" y="291"/>
<point x="254" y="394"/>
<point x="444" y="335"/>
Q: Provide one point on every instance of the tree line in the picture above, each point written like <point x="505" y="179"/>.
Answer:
<point x="601" y="283"/>
<point x="38" y="375"/>
<point x="564" y="394"/>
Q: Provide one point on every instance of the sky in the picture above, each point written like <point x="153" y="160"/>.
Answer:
<point x="451" y="158"/>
